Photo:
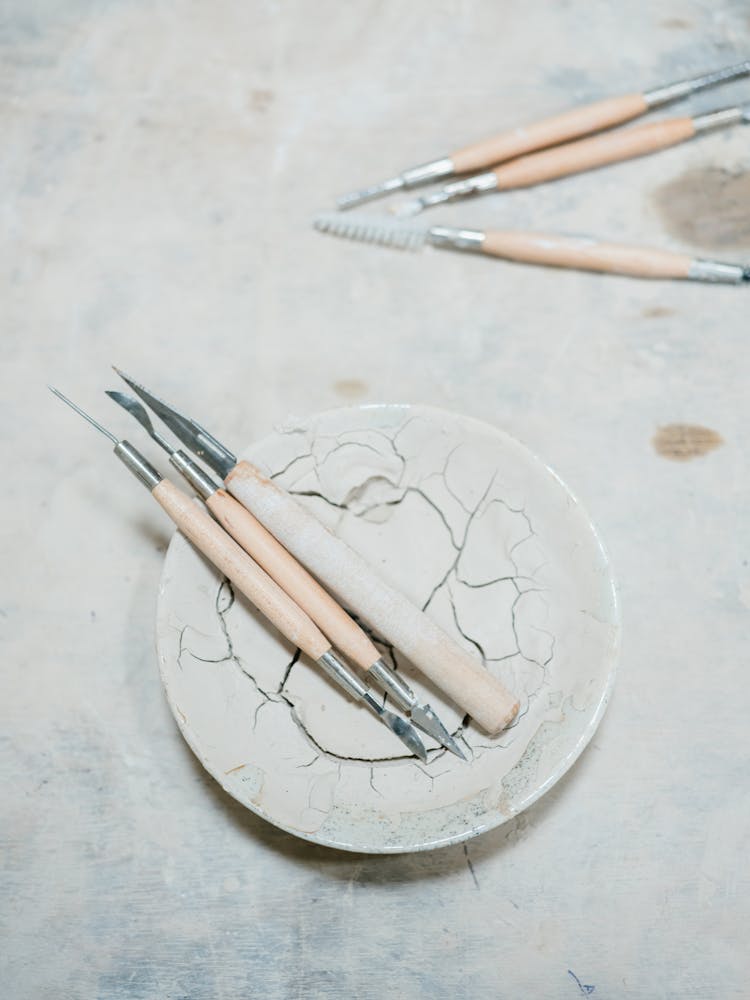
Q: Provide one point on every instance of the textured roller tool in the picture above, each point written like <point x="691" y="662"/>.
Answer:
<point x="294" y="579"/>
<point x="548" y="132"/>
<point x="534" y="248"/>
<point x="348" y="576"/>
<point x="210" y="538"/>
<point x="584" y="154"/>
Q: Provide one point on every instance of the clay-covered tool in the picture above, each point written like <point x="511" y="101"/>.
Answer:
<point x="294" y="579"/>
<point x="547" y="132"/>
<point x="534" y="248"/>
<point x="575" y="157"/>
<point x="348" y="576"/>
<point x="210" y="538"/>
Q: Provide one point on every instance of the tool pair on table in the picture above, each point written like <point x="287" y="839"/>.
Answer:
<point x="252" y="538"/>
<point x="542" y="152"/>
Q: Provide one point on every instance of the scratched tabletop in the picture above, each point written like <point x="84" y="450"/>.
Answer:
<point x="161" y="163"/>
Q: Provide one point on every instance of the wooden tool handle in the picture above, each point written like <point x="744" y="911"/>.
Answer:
<point x="210" y="539"/>
<point x="293" y="578"/>
<point x="586" y="254"/>
<point x="586" y="154"/>
<point x="388" y="612"/>
<point x="548" y="132"/>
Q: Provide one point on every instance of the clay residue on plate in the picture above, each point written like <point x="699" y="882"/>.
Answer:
<point x="681" y="442"/>
<point x="474" y="530"/>
<point x="708" y="208"/>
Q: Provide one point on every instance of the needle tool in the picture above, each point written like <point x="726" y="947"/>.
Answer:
<point x="575" y="157"/>
<point x="294" y="579"/>
<point x="547" y="132"/>
<point x="210" y="538"/>
<point x="346" y="574"/>
<point x="534" y="248"/>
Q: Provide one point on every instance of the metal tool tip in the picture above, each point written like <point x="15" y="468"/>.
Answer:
<point x="355" y="198"/>
<point x="82" y="413"/>
<point x="427" y="720"/>
<point x="406" y="733"/>
<point x="133" y="407"/>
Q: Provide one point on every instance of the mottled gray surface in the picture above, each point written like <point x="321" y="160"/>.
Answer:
<point x="160" y="164"/>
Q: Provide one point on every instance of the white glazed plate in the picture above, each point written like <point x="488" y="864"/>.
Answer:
<point x="472" y="527"/>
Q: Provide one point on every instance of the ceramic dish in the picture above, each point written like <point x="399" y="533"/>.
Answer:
<point x="472" y="527"/>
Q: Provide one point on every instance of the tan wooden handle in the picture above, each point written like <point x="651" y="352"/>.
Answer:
<point x="586" y="254"/>
<point x="294" y="579"/>
<point x="390" y="613"/>
<point x="210" y="539"/>
<point x="548" y="132"/>
<point x="586" y="154"/>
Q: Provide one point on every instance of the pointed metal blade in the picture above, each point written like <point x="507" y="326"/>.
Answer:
<point x="134" y="408"/>
<point x="424" y="717"/>
<point x="195" y="437"/>
<point x="405" y="732"/>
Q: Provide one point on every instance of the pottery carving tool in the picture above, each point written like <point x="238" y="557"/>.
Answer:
<point x="534" y="248"/>
<point x="547" y="132"/>
<point x="584" y="154"/>
<point x="294" y="579"/>
<point x="210" y="538"/>
<point x="347" y="575"/>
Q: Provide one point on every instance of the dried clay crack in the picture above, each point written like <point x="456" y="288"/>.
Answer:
<point x="278" y="699"/>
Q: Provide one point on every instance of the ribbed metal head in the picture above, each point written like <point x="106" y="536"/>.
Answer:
<point x="371" y="229"/>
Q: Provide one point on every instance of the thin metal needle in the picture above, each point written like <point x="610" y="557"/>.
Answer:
<point x="82" y="413"/>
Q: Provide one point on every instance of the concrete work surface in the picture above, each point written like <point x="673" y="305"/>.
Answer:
<point x="161" y="163"/>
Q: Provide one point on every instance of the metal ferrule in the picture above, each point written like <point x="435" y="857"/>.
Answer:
<point x="202" y="483"/>
<point x="714" y="270"/>
<point x="462" y="189"/>
<point x="389" y="681"/>
<point x="427" y="172"/>
<point x="343" y="676"/>
<point x="456" y="239"/>
<point x="718" y="119"/>
<point x="683" y="88"/>
<point x="138" y="465"/>
<point x="412" y="177"/>
<point x="212" y="451"/>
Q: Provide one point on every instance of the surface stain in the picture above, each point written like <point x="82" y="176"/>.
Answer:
<point x="658" y="312"/>
<point x="707" y="207"/>
<point x="681" y="442"/>
<point x="675" y="22"/>
<point x="586" y="988"/>
<point x="261" y="99"/>
<point x="350" y="388"/>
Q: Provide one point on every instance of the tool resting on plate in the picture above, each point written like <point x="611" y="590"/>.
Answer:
<point x="349" y="576"/>
<point x="294" y="580"/>
<point x="292" y="622"/>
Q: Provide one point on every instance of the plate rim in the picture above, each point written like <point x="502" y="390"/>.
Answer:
<point x="565" y="764"/>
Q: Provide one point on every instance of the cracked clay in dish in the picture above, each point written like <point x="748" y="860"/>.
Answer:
<point x="471" y="527"/>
